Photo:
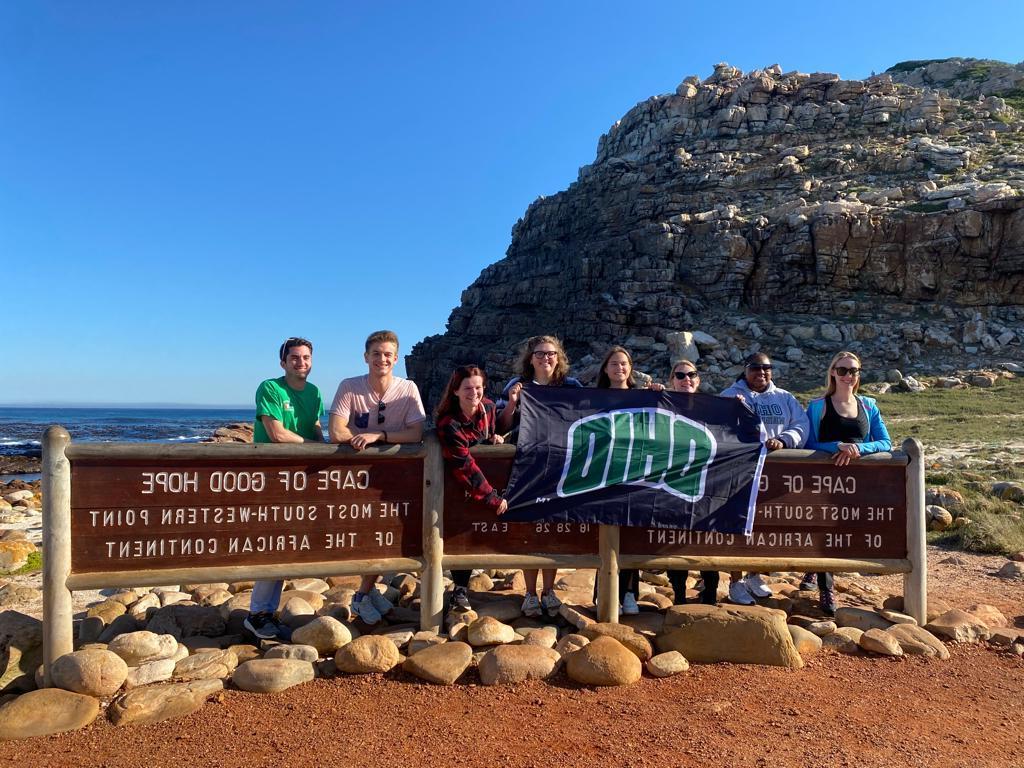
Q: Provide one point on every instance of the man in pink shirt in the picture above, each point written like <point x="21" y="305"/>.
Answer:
<point x="376" y="408"/>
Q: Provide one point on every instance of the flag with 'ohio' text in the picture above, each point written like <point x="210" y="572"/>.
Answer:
<point x="637" y="458"/>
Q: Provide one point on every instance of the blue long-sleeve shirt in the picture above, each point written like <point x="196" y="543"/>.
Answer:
<point x="877" y="439"/>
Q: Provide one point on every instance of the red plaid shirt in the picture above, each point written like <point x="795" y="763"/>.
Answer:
<point x="457" y="437"/>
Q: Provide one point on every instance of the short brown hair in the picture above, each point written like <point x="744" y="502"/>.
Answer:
<point x="378" y="337"/>
<point x="294" y="341"/>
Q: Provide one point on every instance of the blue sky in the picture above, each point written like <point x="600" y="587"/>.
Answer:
<point x="183" y="185"/>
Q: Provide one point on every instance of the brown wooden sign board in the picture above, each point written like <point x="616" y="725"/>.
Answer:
<point x="804" y="509"/>
<point x="131" y="515"/>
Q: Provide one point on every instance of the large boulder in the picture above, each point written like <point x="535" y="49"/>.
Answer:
<point x="46" y="711"/>
<point x="147" y="674"/>
<point x="442" y="664"/>
<point x="959" y="626"/>
<point x="367" y="654"/>
<point x="161" y="702"/>
<point x="509" y="664"/>
<point x="740" y="634"/>
<point x="324" y="633"/>
<point x="919" y="641"/>
<point x="626" y="635"/>
<point x="142" y="647"/>
<point x="92" y="672"/>
<point x="272" y="675"/>
<point x="604" y="661"/>
<point x="187" y="621"/>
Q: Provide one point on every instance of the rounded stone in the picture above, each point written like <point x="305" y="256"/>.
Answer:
<point x="487" y="630"/>
<point x="91" y="672"/>
<point x="881" y="642"/>
<point x="46" y="711"/>
<point x="367" y="654"/>
<point x="442" y="664"/>
<point x="142" y="647"/>
<point x="301" y="652"/>
<point x="667" y="664"/>
<point x="272" y="675"/>
<point x="162" y="702"/>
<point x="324" y="633"/>
<point x="208" y="665"/>
<point x="627" y="636"/>
<point x="508" y="664"/>
<point x="604" y="661"/>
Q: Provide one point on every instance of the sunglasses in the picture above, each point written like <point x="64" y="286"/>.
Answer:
<point x="541" y="353"/>
<point x="380" y="411"/>
<point x="766" y="367"/>
<point x="691" y="375"/>
<point x="842" y="370"/>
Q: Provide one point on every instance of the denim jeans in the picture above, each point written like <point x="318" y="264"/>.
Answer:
<point x="265" y="596"/>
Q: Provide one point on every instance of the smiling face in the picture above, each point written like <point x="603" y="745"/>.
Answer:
<point x="618" y="369"/>
<point x="381" y="358"/>
<point x="297" y="363"/>
<point x="470" y="394"/>
<point x="758" y="373"/>
<point x="689" y="383"/>
<point x="544" y="358"/>
<point x="845" y="374"/>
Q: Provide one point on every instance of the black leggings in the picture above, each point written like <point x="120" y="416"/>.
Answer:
<point x="461" y="578"/>
<point x="710" y="594"/>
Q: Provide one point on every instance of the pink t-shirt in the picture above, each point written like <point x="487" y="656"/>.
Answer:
<point x="359" y="407"/>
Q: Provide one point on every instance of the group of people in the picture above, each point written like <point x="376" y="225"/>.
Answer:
<point x="380" y="407"/>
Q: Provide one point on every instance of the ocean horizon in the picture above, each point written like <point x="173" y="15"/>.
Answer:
<point x="22" y="427"/>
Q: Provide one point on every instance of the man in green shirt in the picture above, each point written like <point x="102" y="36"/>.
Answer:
<point x="288" y="410"/>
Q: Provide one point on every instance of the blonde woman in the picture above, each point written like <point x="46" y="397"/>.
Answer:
<point x="848" y="426"/>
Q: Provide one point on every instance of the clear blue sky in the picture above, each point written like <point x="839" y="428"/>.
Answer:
<point x="184" y="184"/>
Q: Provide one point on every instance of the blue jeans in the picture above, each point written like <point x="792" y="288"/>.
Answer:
<point x="265" y="596"/>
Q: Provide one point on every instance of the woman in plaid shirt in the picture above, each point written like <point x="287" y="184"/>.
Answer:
<point x="465" y="418"/>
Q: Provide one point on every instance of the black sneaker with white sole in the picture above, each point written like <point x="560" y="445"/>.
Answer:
<point x="262" y="625"/>
<point x="460" y="600"/>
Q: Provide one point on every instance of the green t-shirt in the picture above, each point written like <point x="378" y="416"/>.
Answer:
<point x="297" y="411"/>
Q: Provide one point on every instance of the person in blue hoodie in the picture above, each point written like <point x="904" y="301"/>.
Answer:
<point x="785" y="425"/>
<point x="848" y="426"/>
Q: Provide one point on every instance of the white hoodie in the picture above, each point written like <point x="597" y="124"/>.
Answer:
<point x="781" y="414"/>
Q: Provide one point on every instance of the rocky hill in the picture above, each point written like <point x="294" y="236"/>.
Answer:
<point x="791" y="212"/>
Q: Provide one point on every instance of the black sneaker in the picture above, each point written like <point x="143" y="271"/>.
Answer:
<point x="460" y="600"/>
<point x="262" y="625"/>
<point x="828" y="602"/>
<point x="808" y="583"/>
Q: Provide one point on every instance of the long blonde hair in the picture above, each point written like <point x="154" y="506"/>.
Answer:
<point x="830" y="383"/>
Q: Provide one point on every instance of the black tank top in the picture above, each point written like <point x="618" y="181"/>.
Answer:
<point x="843" y="429"/>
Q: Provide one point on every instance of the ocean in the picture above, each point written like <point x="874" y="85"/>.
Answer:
<point x="21" y="429"/>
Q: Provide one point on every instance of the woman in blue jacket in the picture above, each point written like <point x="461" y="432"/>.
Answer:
<point x="848" y="426"/>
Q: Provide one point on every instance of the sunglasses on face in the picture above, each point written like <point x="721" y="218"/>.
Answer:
<point x="765" y="367"/>
<point x="691" y="375"/>
<point x="541" y="353"/>
<point x="380" y="411"/>
<point x="842" y="370"/>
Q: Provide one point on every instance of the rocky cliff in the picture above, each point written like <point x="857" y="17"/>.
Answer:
<point x="791" y="212"/>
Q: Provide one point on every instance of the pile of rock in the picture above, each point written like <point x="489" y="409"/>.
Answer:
<point x="147" y="655"/>
<point x="21" y="524"/>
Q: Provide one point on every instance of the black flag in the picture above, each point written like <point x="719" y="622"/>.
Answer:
<point x="637" y="458"/>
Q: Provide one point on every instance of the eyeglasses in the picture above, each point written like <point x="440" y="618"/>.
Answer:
<point x="691" y="375"/>
<point x="543" y="353"/>
<point x="380" y="411"/>
<point x="842" y="370"/>
<point x="766" y="367"/>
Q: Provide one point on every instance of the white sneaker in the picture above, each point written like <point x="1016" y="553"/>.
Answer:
<point x="381" y="603"/>
<point x="531" y="606"/>
<point x="755" y="584"/>
<point x="364" y="610"/>
<point x="629" y="606"/>
<point x="738" y="593"/>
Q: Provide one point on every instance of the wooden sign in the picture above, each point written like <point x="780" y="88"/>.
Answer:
<point x="131" y="515"/>
<point x="804" y="509"/>
<point x="470" y="528"/>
